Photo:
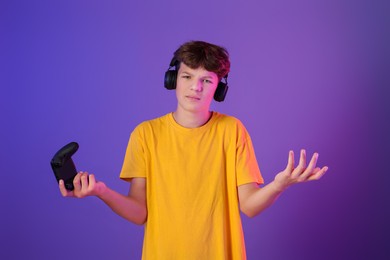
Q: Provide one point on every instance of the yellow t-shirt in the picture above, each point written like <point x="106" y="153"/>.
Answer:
<point x="191" y="186"/>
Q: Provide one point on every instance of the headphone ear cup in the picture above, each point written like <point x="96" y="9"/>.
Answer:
<point x="220" y="92"/>
<point x="170" y="79"/>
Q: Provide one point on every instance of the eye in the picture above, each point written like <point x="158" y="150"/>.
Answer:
<point x="207" y="81"/>
<point x="186" y="76"/>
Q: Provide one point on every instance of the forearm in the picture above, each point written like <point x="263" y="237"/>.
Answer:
<point x="260" y="199"/>
<point x="125" y="206"/>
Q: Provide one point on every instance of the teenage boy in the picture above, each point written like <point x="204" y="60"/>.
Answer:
<point x="193" y="170"/>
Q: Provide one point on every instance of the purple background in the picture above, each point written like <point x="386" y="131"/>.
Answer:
<point x="305" y="74"/>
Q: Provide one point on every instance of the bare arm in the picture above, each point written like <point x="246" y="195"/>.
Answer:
<point x="254" y="200"/>
<point x="131" y="207"/>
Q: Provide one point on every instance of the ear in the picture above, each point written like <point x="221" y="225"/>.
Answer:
<point x="220" y="92"/>
<point x="170" y="79"/>
<point x="171" y="75"/>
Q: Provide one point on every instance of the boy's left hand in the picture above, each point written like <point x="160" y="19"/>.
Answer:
<point x="301" y="173"/>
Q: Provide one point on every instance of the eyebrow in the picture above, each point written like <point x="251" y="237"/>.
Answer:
<point x="207" y="76"/>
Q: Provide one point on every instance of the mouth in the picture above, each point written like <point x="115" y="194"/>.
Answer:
<point x="195" y="98"/>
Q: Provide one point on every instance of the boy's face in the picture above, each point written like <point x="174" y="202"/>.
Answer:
<point x="195" y="88"/>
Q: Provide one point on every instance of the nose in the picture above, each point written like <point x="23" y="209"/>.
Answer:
<point x="197" y="85"/>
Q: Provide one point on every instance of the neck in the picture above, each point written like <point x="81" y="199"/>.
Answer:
<point x="190" y="119"/>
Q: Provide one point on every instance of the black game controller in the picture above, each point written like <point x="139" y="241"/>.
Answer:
<point x="63" y="165"/>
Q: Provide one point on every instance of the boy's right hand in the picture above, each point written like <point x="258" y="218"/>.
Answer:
<point x="84" y="184"/>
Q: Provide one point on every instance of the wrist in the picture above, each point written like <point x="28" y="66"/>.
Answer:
<point x="278" y="187"/>
<point x="102" y="191"/>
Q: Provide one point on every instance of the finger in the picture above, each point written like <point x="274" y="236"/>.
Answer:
<point x="290" y="162"/>
<point x="91" y="178"/>
<point x="76" y="182"/>
<point x="63" y="190"/>
<point x="84" y="182"/>
<point x="311" y="167"/>
<point x="91" y="182"/>
<point x="302" y="159"/>
<point x="301" y="165"/>
<point x="318" y="173"/>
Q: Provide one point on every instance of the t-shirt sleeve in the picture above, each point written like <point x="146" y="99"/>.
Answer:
<point x="134" y="162"/>
<point x="247" y="169"/>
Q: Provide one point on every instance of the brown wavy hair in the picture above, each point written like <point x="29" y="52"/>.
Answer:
<point x="199" y="54"/>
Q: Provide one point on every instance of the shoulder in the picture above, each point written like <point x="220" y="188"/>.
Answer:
<point x="151" y="123"/>
<point x="149" y="127"/>
<point x="228" y="120"/>
<point x="232" y="126"/>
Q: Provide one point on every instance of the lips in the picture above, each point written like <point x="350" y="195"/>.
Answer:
<point x="193" y="97"/>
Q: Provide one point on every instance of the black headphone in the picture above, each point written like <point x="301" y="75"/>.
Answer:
<point x="171" y="76"/>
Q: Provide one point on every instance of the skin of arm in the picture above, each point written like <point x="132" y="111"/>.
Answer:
<point x="131" y="207"/>
<point x="253" y="200"/>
